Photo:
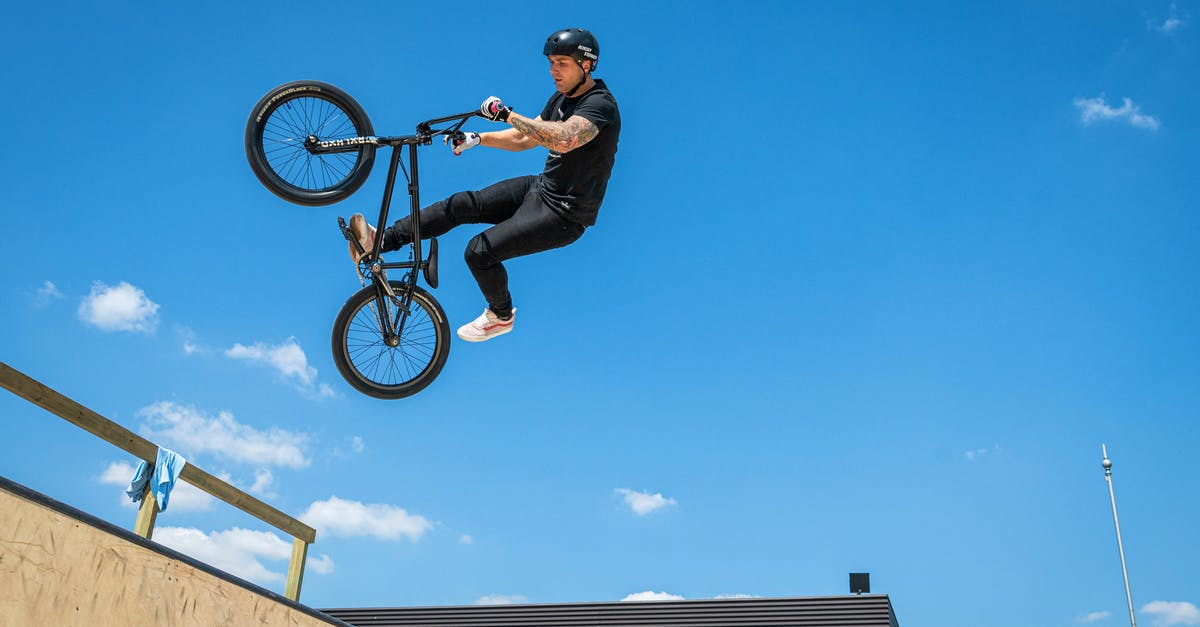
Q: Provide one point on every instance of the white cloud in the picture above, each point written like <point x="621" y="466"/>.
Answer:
<point x="1173" y="22"/>
<point x="46" y="294"/>
<point x="1170" y="24"/>
<point x="184" y="496"/>
<point x="321" y="565"/>
<point x="236" y="551"/>
<point x="466" y="539"/>
<point x="501" y="599"/>
<point x="1092" y="617"/>
<point x="1172" y="612"/>
<point x="119" y="308"/>
<point x="650" y="595"/>
<point x="1093" y="110"/>
<point x="644" y="503"/>
<point x="117" y="473"/>
<point x="351" y="445"/>
<point x="191" y="432"/>
<point x="289" y="360"/>
<point x="339" y="517"/>
<point x="188" y="339"/>
<point x="240" y="552"/>
<point x="263" y="480"/>
<point x="980" y="453"/>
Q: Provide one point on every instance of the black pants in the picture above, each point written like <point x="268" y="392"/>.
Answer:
<point x="523" y="225"/>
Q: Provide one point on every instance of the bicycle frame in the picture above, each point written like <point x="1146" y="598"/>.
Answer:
<point x="423" y="137"/>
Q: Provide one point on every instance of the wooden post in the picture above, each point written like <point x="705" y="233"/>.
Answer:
<point x="296" y="569"/>
<point x="148" y="511"/>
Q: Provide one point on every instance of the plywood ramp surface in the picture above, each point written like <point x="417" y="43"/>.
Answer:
<point x="63" y="569"/>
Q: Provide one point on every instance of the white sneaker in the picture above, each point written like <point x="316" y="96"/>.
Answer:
<point x="487" y="326"/>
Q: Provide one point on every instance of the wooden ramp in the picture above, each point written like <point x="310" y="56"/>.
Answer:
<point x="61" y="566"/>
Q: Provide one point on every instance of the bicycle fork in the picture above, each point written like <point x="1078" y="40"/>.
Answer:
<point x="390" y="331"/>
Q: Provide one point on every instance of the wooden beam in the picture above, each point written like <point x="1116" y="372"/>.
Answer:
<point x="296" y="569"/>
<point x="33" y="391"/>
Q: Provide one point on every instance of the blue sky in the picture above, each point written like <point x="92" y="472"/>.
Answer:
<point x="871" y="286"/>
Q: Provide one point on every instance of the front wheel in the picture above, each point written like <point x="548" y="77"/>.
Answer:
<point x="281" y="124"/>
<point x="396" y="367"/>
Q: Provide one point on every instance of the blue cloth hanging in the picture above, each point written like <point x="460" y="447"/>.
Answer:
<point x="166" y="470"/>
<point x="162" y="475"/>
<point x="138" y="483"/>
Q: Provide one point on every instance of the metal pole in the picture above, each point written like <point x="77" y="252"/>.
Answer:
<point x="1120" y="547"/>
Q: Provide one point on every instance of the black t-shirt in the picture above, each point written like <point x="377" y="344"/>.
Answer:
<point x="573" y="183"/>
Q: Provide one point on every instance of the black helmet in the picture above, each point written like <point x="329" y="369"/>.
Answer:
<point x="577" y="43"/>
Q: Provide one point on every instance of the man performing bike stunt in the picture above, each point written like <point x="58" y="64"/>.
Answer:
<point x="580" y="125"/>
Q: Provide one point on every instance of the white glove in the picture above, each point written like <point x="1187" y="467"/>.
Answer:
<point x="494" y="109"/>
<point x="461" y="141"/>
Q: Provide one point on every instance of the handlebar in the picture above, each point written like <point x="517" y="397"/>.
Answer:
<point x="462" y="117"/>
<point x="425" y="135"/>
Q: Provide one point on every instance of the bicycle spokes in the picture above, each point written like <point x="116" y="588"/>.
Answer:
<point x="395" y="362"/>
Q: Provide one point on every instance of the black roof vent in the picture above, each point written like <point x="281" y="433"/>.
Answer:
<point x="860" y="583"/>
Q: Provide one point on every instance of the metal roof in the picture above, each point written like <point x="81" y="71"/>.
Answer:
<point x="866" y="610"/>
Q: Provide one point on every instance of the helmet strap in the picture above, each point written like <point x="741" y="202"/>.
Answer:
<point x="571" y="94"/>
<point x="586" y="74"/>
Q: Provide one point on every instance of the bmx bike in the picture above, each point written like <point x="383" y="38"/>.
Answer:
<point x="310" y="143"/>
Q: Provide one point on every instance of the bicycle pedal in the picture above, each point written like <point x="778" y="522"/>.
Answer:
<point x="345" y="229"/>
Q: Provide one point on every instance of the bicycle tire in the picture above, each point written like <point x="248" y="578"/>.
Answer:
<point x="275" y="135"/>
<point x="372" y="367"/>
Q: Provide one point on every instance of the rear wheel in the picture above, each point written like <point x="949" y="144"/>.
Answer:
<point x="282" y="122"/>
<point x="395" y="367"/>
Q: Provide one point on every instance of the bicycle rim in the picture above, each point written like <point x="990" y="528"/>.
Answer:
<point x="290" y="124"/>
<point x="378" y="369"/>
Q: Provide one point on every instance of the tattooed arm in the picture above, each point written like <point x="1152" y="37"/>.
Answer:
<point x="563" y="136"/>
<point x="508" y="139"/>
